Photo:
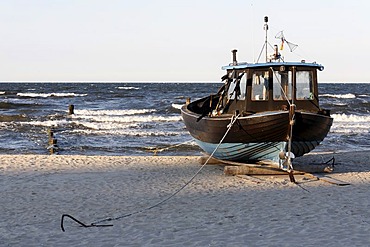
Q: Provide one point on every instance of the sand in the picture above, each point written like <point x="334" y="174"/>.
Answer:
<point x="213" y="210"/>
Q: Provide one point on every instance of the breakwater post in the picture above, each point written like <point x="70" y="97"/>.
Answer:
<point x="71" y="109"/>
<point x="53" y="142"/>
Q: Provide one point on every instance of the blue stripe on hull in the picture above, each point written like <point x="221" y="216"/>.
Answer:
<point x="245" y="151"/>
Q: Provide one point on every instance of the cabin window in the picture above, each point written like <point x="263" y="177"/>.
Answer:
<point x="282" y="85"/>
<point x="238" y="87"/>
<point x="260" y="85"/>
<point x="304" y="85"/>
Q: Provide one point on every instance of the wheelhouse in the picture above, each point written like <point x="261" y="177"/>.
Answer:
<point x="270" y="86"/>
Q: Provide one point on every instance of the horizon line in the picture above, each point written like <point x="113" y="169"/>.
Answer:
<point x="352" y="82"/>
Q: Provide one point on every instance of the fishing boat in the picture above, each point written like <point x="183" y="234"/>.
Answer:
<point x="266" y="111"/>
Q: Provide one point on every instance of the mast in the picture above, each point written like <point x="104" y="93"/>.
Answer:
<point x="266" y="28"/>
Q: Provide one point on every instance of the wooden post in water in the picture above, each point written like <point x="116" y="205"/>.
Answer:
<point x="50" y="134"/>
<point x="53" y="147"/>
<point x="71" y="109"/>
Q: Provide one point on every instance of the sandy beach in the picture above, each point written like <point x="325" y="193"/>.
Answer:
<point x="213" y="210"/>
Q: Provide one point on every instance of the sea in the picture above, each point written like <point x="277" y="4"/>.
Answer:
<point x="144" y="118"/>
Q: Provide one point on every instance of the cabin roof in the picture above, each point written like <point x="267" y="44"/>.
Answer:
<point x="275" y="64"/>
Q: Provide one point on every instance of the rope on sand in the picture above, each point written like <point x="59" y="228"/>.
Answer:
<point x="98" y="223"/>
<point x="158" y="150"/>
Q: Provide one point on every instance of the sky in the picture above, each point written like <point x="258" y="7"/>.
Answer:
<point x="178" y="40"/>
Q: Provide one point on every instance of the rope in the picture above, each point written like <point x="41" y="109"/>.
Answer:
<point x="157" y="150"/>
<point x="98" y="223"/>
<point x="291" y="123"/>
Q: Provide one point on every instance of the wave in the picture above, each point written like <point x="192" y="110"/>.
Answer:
<point x="47" y="123"/>
<point x="46" y="95"/>
<point x="2" y="92"/>
<point x="104" y="122"/>
<point x="340" y="104"/>
<point x="93" y="126"/>
<point x="350" y="124"/>
<point x="340" y="96"/>
<point x="122" y="116"/>
<point x="90" y="128"/>
<point x="350" y="118"/>
<point x="112" y="112"/>
<point x="128" y="119"/>
<point x="11" y="105"/>
<point x="177" y="106"/>
<point x="128" y="88"/>
<point x="123" y="132"/>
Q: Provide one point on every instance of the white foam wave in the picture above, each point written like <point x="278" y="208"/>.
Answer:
<point x="112" y="112"/>
<point x="350" y="118"/>
<point x="104" y="122"/>
<point x="104" y="125"/>
<point x="125" y="132"/>
<point x="46" y="95"/>
<point x="177" y="106"/>
<point x="340" y="96"/>
<point x="340" y="104"/>
<point x="2" y="92"/>
<point x="128" y="88"/>
<point x="122" y="116"/>
<point x="129" y="119"/>
<point x="48" y="123"/>
<point x="350" y="124"/>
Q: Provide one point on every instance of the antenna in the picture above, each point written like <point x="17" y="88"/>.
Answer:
<point x="266" y="28"/>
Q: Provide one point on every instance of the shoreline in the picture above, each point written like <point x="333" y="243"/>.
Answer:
<point x="213" y="210"/>
<point x="345" y="161"/>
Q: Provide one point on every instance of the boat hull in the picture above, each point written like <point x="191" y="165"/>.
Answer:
<point x="259" y="136"/>
<point x="245" y="152"/>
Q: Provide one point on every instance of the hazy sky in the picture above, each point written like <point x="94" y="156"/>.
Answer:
<point x="175" y="40"/>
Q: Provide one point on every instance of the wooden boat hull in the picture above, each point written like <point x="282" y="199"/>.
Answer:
<point x="245" y="152"/>
<point x="259" y="136"/>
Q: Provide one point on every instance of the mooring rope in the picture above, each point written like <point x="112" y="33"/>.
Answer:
<point x="98" y="223"/>
<point x="158" y="150"/>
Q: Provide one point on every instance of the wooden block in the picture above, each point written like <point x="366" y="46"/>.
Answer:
<point x="264" y="167"/>
<point x="212" y="161"/>
<point x="253" y="170"/>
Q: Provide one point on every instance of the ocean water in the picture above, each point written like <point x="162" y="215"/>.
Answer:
<point x="138" y="118"/>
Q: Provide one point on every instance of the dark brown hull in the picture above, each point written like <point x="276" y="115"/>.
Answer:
<point x="254" y="128"/>
<point x="308" y="131"/>
<point x="258" y="129"/>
